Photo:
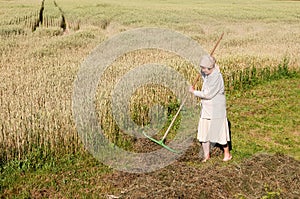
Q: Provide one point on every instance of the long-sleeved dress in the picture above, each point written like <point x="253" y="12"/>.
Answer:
<point x="213" y="123"/>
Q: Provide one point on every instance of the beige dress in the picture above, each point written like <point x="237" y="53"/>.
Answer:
<point x="213" y="124"/>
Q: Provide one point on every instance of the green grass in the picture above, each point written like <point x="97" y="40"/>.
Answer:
<point x="266" y="119"/>
<point x="66" y="176"/>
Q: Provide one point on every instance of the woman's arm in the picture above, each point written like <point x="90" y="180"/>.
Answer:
<point x="211" y="88"/>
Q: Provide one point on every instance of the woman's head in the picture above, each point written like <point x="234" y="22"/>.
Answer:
<point x="207" y="64"/>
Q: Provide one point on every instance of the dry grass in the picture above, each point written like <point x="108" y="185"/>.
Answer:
<point x="261" y="176"/>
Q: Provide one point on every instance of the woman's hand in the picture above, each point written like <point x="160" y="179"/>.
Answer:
<point x="191" y="89"/>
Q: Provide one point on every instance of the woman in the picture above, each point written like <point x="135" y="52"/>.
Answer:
<point x="213" y="124"/>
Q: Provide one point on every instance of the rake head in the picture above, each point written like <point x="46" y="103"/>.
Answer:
<point x="161" y="143"/>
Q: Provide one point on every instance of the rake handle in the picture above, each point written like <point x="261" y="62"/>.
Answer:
<point x="183" y="102"/>
<point x="173" y="120"/>
<point x="216" y="45"/>
<point x="195" y="81"/>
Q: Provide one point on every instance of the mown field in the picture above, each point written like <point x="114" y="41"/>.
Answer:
<point x="41" y="154"/>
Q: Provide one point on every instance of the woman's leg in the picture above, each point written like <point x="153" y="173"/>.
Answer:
<point x="206" y="150"/>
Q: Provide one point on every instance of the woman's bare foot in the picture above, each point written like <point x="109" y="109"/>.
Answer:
<point x="205" y="159"/>
<point x="227" y="158"/>
<point x="227" y="155"/>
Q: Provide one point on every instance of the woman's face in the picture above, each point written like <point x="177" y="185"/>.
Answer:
<point x="206" y="71"/>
